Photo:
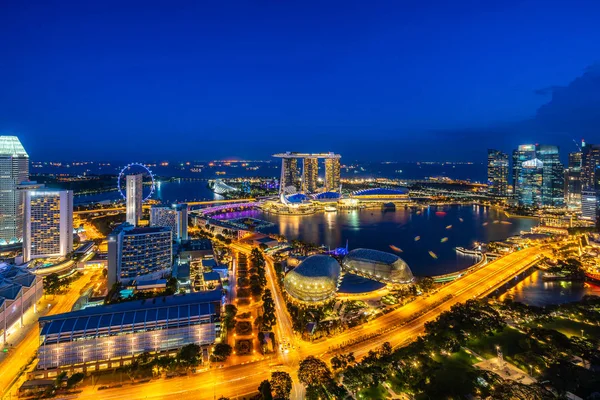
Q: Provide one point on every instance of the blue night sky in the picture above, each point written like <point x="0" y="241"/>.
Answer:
<point x="401" y="80"/>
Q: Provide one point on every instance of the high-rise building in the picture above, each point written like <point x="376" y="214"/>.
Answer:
<point x="573" y="180"/>
<point x="553" y="178"/>
<point x="332" y="174"/>
<point x="290" y="176"/>
<point x="48" y="223"/>
<point x="310" y="175"/>
<point x="14" y="169"/>
<point x="538" y="167"/>
<point x="174" y="217"/>
<point x="589" y="205"/>
<point x="134" y="198"/>
<point x="531" y="183"/>
<point x="497" y="173"/>
<point x="138" y="253"/>
<point x="524" y="152"/>
<point x="590" y="161"/>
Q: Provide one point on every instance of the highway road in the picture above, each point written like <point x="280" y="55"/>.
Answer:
<point x="20" y="355"/>
<point x="396" y="327"/>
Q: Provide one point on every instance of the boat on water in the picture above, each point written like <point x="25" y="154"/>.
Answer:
<point x="593" y="276"/>
<point x="330" y="209"/>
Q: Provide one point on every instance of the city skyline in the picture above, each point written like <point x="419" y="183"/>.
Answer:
<point x="288" y="201"/>
<point x="364" y="74"/>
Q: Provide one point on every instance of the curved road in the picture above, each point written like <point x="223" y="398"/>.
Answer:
<point x="398" y="327"/>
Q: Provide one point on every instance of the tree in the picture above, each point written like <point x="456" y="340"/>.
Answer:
<point x="189" y="355"/>
<point x="53" y="284"/>
<point x="426" y="284"/>
<point x="269" y="318"/>
<point x="281" y="385"/>
<point x="265" y="390"/>
<point x="75" y="379"/>
<point x="222" y="351"/>
<point x="314" y="372"/>
<point x="171" y="285"/>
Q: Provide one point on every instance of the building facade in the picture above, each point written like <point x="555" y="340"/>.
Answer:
<point x="106" y="336"/>
<point x="134" y="190"/>
<point x="290" y="176"/>
<point x="538" y="176"/>
<point x="174" y="217"/>
<point x="138" y="253"/>
<point x="310" y="175"/>
<point x="590" y="161"/>
<point x="333" y="181"/>
<point x="589" y="205"/>
<point x="293" y="182"/>
<point x="497" y="172"/>
<point x="524" y="152"/>
<point x="20" y="291"/>
<point x="14" y="169"/>
<point x="573" y="180"/>
<point x="48" y="223"/>
<point x="553" y="176"/>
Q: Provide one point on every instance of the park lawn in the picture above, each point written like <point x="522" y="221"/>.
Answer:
<point x="377" y="392"/>
<point x="573" y="328"/>
<point x="507" y="339"/>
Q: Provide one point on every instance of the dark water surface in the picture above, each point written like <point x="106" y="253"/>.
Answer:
<point x="378" y="230"/>
<point x="535" y="291"/>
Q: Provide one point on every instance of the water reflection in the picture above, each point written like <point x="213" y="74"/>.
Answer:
<point x="378" y="230"/>
<point x="535" y="291"/>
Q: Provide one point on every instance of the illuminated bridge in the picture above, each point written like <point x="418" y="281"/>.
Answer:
<point x="227" y="207"/>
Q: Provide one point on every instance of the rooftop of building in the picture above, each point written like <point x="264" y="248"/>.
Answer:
<point x="132" y="230"/>
<point x="380" y="191"/>
<point x="140" y="305"/>
<point x="318" y="265"/>
<point x="211" y="276"/>
<point x="209" y="262"/>
<point x="326" y="195"/>
<point x="373" y="256"/>
<point x="11" y="146"/>
<point x="290" y="154"/>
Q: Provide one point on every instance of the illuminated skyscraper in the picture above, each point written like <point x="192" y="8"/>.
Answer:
<point x="332" y="174"/>
<point x="553" y="178"/>
<point x="48" y="227"/>
<point x="134" y="190"/>
<point x="573" y="180"/>
<point x="174" y="217"/>
<point x="310" y="175"/>
<point x="497" y="173"/>
<point x="590" y="161"/>
<point x="538" y="167"/>
<point x="524" y="152"/>
<point x="14" y="169"/>
<point x="290" y="175"/>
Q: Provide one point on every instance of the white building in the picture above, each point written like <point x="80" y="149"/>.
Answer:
<point x="48" y="226"/>
<point x="20" y="291"/>
<point x="134" y="198"/>
<point x="138" y="253"/>
<point x="589" y="205"/>
<point x="14" y="169"/>
<point x="174" y="217"/>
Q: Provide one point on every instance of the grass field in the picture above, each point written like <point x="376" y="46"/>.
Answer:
<point x="573" y="328"/>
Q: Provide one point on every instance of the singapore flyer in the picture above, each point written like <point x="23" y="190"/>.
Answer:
<point x="135" y="169"/>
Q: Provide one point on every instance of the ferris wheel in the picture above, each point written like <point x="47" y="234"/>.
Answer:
<point x="136" y="168"/>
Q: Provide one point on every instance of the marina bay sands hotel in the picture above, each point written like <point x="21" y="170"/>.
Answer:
<point x="293" y="180"/>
